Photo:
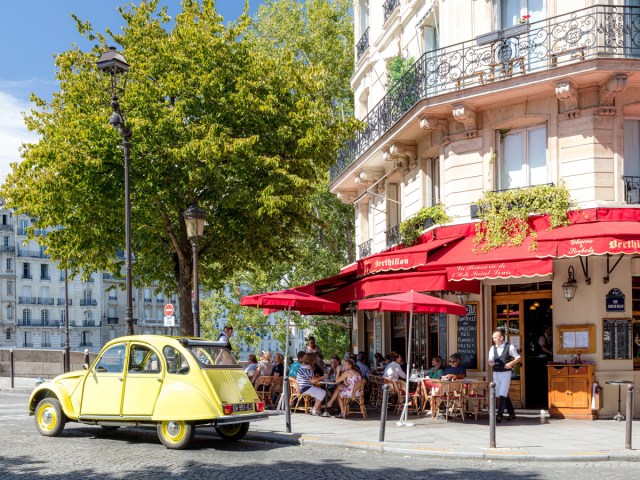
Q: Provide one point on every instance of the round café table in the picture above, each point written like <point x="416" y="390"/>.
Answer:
<point x="619" y="416"/>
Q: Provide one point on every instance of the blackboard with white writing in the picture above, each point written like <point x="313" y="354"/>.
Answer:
<point x="442" y="336"/>
<point x="616" y="339"/>
<point x="467" y="330"/>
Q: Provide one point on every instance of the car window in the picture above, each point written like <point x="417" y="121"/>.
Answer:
<point x="112" y="360"/>
<point x="143" y="359"/>
<point x="209" y="356"/>
<point x="176" y="362"/>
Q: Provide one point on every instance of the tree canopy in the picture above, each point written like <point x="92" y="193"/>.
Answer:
<point x="218" y="117"/>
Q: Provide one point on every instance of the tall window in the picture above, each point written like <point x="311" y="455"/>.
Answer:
<point x="62" y="316"/>
<point x="632" y="148"/>
<point x="9" y="311"/>
<point x="88" y="318"/>
<point x="5" y="241"/>
<point x="9" y="265"/>
<point x="26" y="270"/>
<point x="433" y="181"/>
<point x="10" y="287"/>
<point x="363" y="16"/>
<point x="44" y="317"/>
<point x="87" y="296"/>
<point x="523" y="157"/>
<point x="44" y="271"/>
<point x="7" y="334"/>
<point x="46" y="339"/>
<point x="512" y="11"/>
<point x="26" y="316"/>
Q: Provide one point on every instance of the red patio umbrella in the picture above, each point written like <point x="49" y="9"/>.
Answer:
<point x="410" y="302"/>
<point x="288" y="300"/>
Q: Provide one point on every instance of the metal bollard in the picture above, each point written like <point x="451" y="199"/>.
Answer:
<point x="64" y="362"/>
<point x="492" y="415"/>
<point x="383" y="412"/>
<point x="12" y="366"/>
<point x="86" y="358"/>
<point x="287" y="406"/>
<point x="629" y="418"/>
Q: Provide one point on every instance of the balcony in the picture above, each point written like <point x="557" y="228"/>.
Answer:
<point x="598" y="32"/>
<point x="86" y="344"/>
<point x="362" y="45"/>
<point x="46" y="301"/>
<point x="6" y="228"/>
<point x="46" y="345"/>
<point x="90" y="323"/>
<point x="393" y="236"/>
<point x="22" y="231"/>
<point x="631" y="189"/>
<point x="7" y="249"/>
<point x="112" y="321"/>
<point x="364" y="249"/>
<point x="388" y="7"/>
<point x="45" y="277"/>
<point x="28" y="300"/>
<point x="23" y="252"/>
<point x="62" y="302"/>
<point x="88" y="302"/>
<point x="27" y="275"/>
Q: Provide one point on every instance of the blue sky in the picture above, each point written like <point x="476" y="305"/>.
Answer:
<point x="32" y="32"/>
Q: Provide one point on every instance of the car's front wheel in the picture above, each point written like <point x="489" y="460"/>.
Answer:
<point x="175" y="434"/>
<point x="233" y="432"/>
<point x="50" y="419"/>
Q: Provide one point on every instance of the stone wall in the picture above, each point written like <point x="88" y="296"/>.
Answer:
<point x="38" y="363"/>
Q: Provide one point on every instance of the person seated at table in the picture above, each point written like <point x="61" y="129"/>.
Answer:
<point x="393" y="371"/>
<point x="454" y="370"/>
<point x="363" y="366"/>
<point x="278" y="366"/>
<point x="251" y="365"/>
<point x="333" y="368"/>
<point x="346" y="381"/>
<point x="437" y="368"/>
<point x="264" y="367"/>
<point x="400" y="361"/>
<point x="308" y="381"/>
<point x="293" y="368"/>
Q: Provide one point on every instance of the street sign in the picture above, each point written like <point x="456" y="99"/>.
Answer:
<point x="168" y="310"/>
<point x="169" y="321"/>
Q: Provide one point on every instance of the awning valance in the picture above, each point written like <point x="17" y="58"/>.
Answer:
<point x="596" y="238"/>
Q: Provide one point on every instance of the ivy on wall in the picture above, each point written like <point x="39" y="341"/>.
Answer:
<point x="503" y="215"/>
<point x="411" y="228"/>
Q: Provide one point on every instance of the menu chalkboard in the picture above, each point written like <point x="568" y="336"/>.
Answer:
<point x="616" y="339"/>
<point x="442" y="337"/>
<point x="467" y="332"/>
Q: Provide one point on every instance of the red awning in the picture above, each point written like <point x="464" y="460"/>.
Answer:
<point x="463" y="261"/>
<point x="596" y="238"/>
<point x="387" y="283"/>
<point x="401" y="259"/>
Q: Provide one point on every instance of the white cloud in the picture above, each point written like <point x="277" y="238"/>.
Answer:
<point x="12" y="131"/>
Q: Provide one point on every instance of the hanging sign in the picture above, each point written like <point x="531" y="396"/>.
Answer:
<point x="615" y="300"/>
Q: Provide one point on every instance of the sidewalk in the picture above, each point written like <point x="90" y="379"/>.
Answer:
<point x="529" y="437"/>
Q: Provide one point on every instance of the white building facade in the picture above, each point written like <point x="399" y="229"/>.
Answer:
<point x="500" y="95"/>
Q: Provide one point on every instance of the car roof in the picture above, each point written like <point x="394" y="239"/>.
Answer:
<point x="162" y="340"/>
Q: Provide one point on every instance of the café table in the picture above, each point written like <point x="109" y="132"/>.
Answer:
<point x="327" y="384"/>
<point x="619" y="417"/>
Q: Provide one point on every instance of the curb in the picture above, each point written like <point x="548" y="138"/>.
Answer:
<point x="299" y="440"/>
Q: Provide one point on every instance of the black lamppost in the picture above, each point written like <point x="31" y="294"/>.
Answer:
<point x="194" y="218"/>
<point x="67" y="344"/>
<point x="115" y="65"/>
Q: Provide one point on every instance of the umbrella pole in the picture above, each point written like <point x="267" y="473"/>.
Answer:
<point x="285" y="381"/>
<point x="405" y="411"/>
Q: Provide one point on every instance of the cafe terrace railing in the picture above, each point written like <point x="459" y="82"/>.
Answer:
<point x="600" y="31"/>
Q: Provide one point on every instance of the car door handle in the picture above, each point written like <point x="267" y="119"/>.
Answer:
<point x="159" y="379"/>
<point x="121" y="378"/>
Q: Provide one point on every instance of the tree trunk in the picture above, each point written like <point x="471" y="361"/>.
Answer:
<point x="184" y="280"/>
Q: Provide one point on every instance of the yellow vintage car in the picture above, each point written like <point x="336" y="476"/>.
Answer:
<point x="175" y="383"/>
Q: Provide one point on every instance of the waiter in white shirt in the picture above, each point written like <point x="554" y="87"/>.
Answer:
<point x="503" y="357"/>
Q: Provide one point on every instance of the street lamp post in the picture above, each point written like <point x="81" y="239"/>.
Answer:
<point x="194" y="218"/>
<point x="114" y="64"/>
<point x="67" y="344"/>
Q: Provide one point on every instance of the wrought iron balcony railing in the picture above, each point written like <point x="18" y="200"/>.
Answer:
<point x="45" y="301"/>
<point x="393" y="236"/>
<point x="363" y="44"/>
<point x="62" y="302"/>
<point x="601" y="31"/>
<point x="6" y="227"/>
<point x="364" y="249"/>
<point x="7" y="249"/>
<point x="84" y="302"/>
<point x="388" y="7"/>
<point x="28" y="300"/>
<point x="631" y="189"/>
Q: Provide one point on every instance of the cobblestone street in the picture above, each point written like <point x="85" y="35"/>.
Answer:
<point x="136" y="453"/>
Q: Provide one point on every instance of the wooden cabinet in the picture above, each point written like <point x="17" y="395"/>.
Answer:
<point x="570" y="391"/>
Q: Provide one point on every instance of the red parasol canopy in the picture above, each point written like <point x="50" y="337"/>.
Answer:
<point x="291" y="300"/>
<point x="411" y="302"/>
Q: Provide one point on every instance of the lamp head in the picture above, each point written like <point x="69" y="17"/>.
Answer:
<point x="194" y="218"/>
<point x="114" y="64"/>
<point x="570" y="286"/>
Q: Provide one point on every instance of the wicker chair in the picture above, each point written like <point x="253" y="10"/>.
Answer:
<point x="263" y="386"/>
<point x="357" y="397"/>
<point x="430" y="389"/>
<point x="477" y="398"/>
<point x="450" y="396"/>
<point x="375" y="391"/>
<point x="299" y="402"/>
<point x="414" y="398"/>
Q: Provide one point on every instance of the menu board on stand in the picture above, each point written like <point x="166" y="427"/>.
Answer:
<point x="467" y="336"/>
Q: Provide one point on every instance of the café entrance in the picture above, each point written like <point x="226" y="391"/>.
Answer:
<point x="524" y="311"/>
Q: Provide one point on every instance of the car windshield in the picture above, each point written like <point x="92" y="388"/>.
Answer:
<point x="210" y="356"/>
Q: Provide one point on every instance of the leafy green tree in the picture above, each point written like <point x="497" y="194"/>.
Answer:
<point x="217" y="118"/>
<point x="318" y="33"/>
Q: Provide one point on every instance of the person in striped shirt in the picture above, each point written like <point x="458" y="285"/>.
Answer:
<point x="308" y="380"/>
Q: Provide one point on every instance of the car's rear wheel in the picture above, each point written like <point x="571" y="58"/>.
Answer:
<point x="50" y="419"/>
<point x="175" y="434"/>
<point x="233" y="432"/>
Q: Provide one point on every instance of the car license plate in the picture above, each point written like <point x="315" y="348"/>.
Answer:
<point x="243" y="407"/>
